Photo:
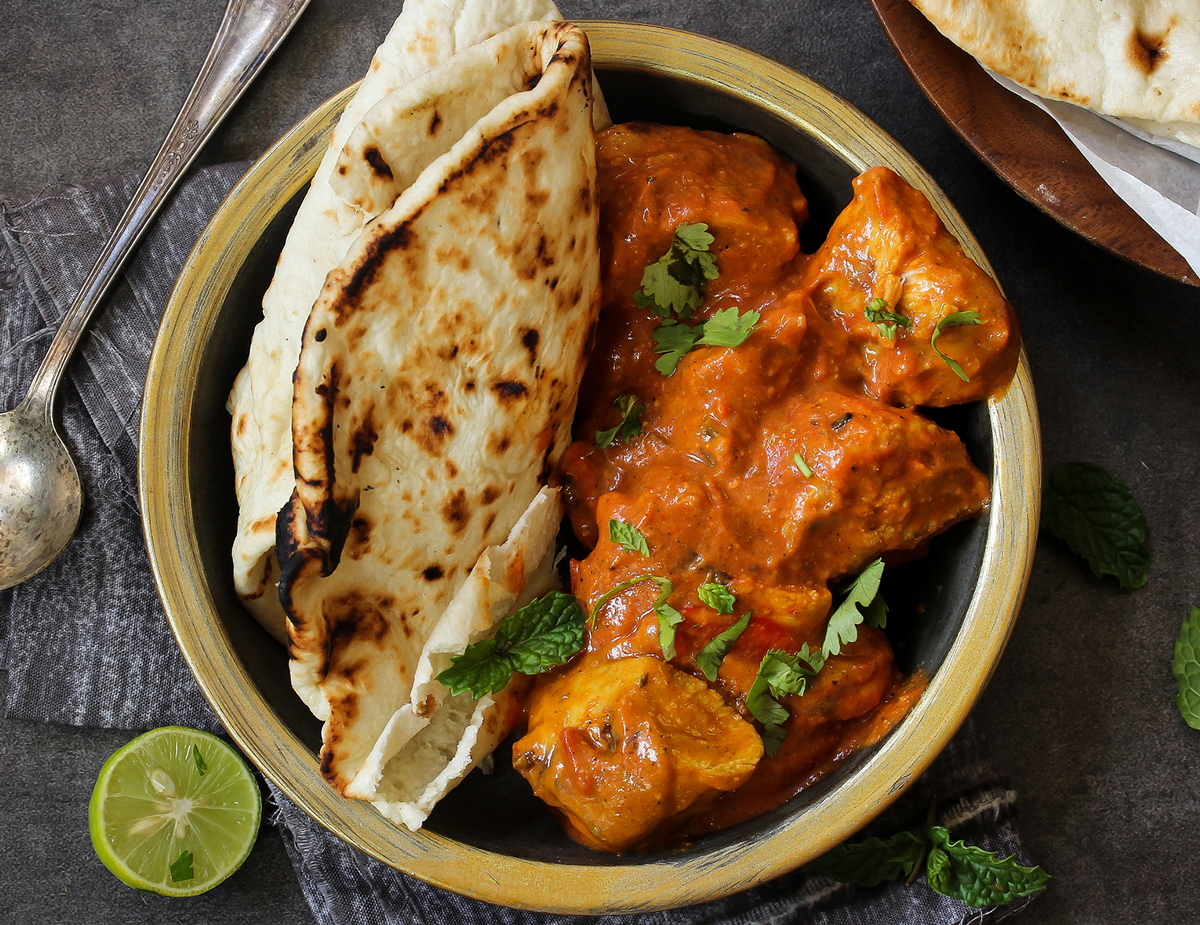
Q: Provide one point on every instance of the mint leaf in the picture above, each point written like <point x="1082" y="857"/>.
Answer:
<point x="675" y="282"/>
<point x="952" y="321"/>
<point x="628" y="537"/>
<point x="668" y="618"/>
<point x="1099" y="519"/>
<point x="975" y="876"/>
<point x="843" y="624"/>
<point x="1186" y="669"/>
<point x="710" y="657"/>
<point x="727" y="328"/>
<point x="871" y="861"/>
<point x="201" y="764"/>
<point x="717" y="596"/>
<point x="802" y="465"/>
<point x="886" y="322"/>
<point x="673" y="340"/>
<point x="541" y="635"/>
<point x="779" y="674"/>
<point x="182" y="868"/>
<point x="631" y="421"/>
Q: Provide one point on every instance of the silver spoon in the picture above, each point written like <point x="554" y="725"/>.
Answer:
<point x="40" y="496"/>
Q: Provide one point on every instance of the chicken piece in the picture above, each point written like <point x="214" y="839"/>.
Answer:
<point x="889" y="244"/>
<point x="627" y="749"/>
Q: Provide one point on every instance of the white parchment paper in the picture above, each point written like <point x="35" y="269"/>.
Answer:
<point x="1158" y="177"/>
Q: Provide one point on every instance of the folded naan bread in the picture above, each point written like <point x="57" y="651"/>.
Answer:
<point x="436" y="383"/>
<point x="426" y="33"/>
<point x="1137" y="60"/>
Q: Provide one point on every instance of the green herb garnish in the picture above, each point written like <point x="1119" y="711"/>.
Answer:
<point x="976" y="877"/>
<point x="1186" y="669"/>
<point x="631" y="421"/>
<point x="725" y="328"/>
<point x="1097" y="516"/>
<point x="201" y="764"/>
<point x="802" y="465"/>
<point x="779" y="674"/>
<point x="710" y="657"/>
<point x="676" y="281"/>
<point x="541" y="635"/>
<point x="628" y="537"/>
<point x="863" y="592"/>
<point x="886" y="321"/>
<point x="182" y="868"/>
<point x="668" y="617"/>
<point x="717" y="596"/>
<point x="953" y="321"/>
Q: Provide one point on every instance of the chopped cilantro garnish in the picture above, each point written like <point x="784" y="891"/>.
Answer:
<point x="725" y="328"/>
<point x="953" y="321"/>
<point x="710" y="657"/>
<point x="675" y="282"/>
<point x="863" y="592"/>
<point x="630" y="425"/>
<point x="802" y="465"/>
<point x="885" y="321"/>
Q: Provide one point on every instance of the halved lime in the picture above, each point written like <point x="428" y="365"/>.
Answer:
<point x="175" y="811"/>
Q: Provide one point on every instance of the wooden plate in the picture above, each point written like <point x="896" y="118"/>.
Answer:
<point x="1022" y="144"/>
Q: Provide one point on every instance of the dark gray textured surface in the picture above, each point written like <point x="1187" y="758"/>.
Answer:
<point x="1081" y="711"/>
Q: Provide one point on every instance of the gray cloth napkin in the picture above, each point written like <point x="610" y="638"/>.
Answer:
<point x="85" y="643"/>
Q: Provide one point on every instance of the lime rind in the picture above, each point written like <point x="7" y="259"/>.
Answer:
<point x="151" y="803"/>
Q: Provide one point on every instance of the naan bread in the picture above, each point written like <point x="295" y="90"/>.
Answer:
<point x="426" y="33"/>
<point x="435" y="388"/>
<point x="1133" y="59"/>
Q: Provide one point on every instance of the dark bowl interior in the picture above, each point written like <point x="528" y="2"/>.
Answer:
<point x="499" y="813"/>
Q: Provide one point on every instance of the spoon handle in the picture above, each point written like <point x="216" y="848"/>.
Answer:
<point x="250" y="32"/>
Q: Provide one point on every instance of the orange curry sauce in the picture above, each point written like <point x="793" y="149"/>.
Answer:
<point x="633" y="751"/>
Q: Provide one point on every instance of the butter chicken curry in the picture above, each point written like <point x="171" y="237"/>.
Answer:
<point x="775" y="470"/>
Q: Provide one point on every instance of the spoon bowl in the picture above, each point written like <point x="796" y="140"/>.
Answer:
<point x="40" y="497"/>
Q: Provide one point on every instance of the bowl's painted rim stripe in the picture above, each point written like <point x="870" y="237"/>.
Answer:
<point x="567" y="888"/>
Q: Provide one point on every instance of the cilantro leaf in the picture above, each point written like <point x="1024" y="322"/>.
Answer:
<point x="952" y="321"/>
<point x="182" y="868"/>
<point x="886" y="322"/>
<point x="779" y="674"/>
<point x="975" y="876"/>
<point x="871" y="861"/>
<point x="675" y="282"/>
<point x="1186" y="669"/>
<point x="727" y="328"/>
<point x="543" y="634"/>
<point x="717" y="596"/>
<point x="802" y="465"/>
<point x="710" y="657"/>
<point x="673" y="340"/>
<point x="843" y="623"/>
<point x="201" y="764"/>
<point x="631" y="421"/>
<point x="1099" y="519"/>
<point x="628" y="537"/>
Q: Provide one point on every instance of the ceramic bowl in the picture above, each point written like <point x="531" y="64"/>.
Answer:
<point x="490" y="838"/>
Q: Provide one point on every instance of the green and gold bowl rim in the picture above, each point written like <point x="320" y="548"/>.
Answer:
<point x="660" y="881"/>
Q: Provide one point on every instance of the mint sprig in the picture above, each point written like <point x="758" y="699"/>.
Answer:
<point x="953" y="320"/>
<point x="710" y="657"/>
<point x="1186" y="669"/>
<point x="717" y="596"/>
<point x="862" y="593"/>
<point x="675" y="282"/>
<point x="1097" y="516"/>
<point x="973" y="875"/>
<point x="628" y="537"/>
<point x="630" y="425"/>
<point x="541" y="635"/>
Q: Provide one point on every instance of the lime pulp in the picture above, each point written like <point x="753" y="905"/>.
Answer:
<point x="175" y="811"/>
